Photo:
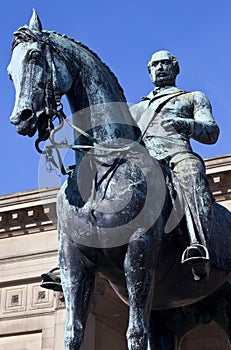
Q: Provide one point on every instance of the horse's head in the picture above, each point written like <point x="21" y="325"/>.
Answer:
<point x="40" y="74"/>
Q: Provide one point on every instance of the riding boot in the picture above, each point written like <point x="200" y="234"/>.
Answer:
<point x="196" y="255"/>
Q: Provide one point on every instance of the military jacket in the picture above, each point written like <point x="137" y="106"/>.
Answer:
<point x="191" y="108"/>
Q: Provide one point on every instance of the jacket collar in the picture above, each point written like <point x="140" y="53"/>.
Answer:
<point x="158" y="92"/>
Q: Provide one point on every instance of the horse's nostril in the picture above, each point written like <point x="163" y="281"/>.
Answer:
<point x="26" y="114"/>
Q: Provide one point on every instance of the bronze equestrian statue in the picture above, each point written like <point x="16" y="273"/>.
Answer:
<point x="119" y="211"/>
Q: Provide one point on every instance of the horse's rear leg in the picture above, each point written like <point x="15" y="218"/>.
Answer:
<point x="77" y="282"/>
<point x="139" y="272"/>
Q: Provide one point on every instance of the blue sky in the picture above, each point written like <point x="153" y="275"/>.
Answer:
<point x="124" y="34"/>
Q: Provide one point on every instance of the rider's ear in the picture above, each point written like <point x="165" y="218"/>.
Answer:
<point x="35" y="23"/>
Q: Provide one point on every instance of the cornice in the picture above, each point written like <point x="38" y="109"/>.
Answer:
<point x="29" y="198"/>
<point x="218" y="164"/>
<point x="218" y="171"/>
<point x="28" y="212"/>
<point x="30" y="219"/>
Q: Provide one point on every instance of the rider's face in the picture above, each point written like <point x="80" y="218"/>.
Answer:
<point x="162" y="70"/>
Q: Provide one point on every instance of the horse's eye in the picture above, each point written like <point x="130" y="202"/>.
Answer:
<point x="35" y="55"/>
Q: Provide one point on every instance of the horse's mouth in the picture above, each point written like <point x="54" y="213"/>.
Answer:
<point x="28" y="122"/>
<point x="25" y="121"/>
<point x="27" y="125"/>
<point x="26" y="129"/>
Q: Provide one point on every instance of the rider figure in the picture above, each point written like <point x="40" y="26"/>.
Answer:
<point x="166" y="134"/>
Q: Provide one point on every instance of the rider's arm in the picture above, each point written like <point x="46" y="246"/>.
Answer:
<point x="204" y="128"/>
<point x="137" y="110"/>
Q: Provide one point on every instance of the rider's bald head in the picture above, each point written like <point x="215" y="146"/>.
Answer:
<point x="162" y="55"/>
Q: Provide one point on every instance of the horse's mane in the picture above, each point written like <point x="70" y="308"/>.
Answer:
<point x="25" y="34"/>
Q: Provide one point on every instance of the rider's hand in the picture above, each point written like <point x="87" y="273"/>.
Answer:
<point x="179" y="125"/>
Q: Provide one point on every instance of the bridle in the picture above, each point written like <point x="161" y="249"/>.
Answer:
<point x="54" y="111"/>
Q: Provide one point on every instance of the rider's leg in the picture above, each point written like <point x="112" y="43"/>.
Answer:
<point x="139" y="272"/>
<point x="77" y="282"/>
<point x="199" y="203"/>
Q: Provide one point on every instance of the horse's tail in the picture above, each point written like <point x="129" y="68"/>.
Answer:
<point x="161" y="336"/>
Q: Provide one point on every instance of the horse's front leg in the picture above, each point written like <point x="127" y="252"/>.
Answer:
<point x="139" y="272"/>
<point x="77" y="281"/>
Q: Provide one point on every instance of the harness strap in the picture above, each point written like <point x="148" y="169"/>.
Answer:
<point x="96" y="146"/>
<point x="160" y="106"/>
<point x="53" y="96"/>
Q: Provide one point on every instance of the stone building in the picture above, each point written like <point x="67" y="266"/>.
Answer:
<point x="32" y="317"/>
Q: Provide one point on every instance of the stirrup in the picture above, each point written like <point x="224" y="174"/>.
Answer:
<point x="195" y="254"/>
<point x="51" y="281"/>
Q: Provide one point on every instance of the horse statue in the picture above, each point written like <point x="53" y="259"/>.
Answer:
<point x="115" y="204"/>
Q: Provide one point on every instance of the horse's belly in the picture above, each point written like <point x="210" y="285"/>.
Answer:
<point x="174" y="282"/>
<point x="181" y="289"/>
<point x="169" y="294"/>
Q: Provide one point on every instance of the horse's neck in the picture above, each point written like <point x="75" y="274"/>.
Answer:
<point x="97" y="100"/>
<point x="95" y="84"/>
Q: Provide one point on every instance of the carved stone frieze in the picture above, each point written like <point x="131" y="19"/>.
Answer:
<point x="14" y="300"/>
<point x="40" y="298"/>
<point x="25" y="299"/>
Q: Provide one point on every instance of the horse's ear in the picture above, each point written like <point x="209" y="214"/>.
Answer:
<point x="35" y="23"/>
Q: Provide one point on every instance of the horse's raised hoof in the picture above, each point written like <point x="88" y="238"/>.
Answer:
<point x="197" y="257"/>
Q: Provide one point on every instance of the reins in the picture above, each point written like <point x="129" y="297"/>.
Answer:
<point x="59" y="113"/>
<point x="91" y="150"/>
